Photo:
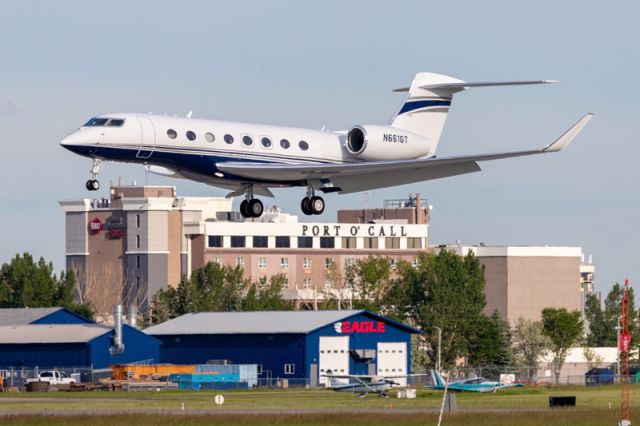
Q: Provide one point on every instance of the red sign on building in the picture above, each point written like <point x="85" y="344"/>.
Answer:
<point x="95" y="226"/>
<point x="359" y="327"/>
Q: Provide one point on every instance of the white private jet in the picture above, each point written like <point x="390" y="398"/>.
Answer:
<point x="248" y="159"/>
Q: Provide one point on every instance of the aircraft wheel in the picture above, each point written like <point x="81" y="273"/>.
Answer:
<point x="88" y="185"/>
<point x="92" y="185"/>
<point x="243" y="209"/>
<point x="255" y="208"/>
<point x="304" y="205"/>
<point x="316" y="205"/>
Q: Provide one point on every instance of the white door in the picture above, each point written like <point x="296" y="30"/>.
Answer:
<point x="147" y="137"/>
<point x="392" y="360"/>
<point x="334" y="357"/>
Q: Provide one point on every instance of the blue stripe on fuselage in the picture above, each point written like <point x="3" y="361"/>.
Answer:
<point x="413" y="105"/>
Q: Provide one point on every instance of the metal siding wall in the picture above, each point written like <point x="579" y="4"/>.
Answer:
<point x="137" y="347"/>
<point x="359" y="340"/>
<point x="62" y="317"/>
<point x="271" y="351"/>
<point x="45" y="355"/>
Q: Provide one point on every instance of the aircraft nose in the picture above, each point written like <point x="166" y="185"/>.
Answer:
<point x="71" y="140"/>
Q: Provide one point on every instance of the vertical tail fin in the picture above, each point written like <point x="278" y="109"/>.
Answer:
<point x="424" y="110"/>
<point x="437" y="378"/>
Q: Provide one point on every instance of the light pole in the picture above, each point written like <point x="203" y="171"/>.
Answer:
<point x="439" y="348"/>
<point x="618" y="328"/>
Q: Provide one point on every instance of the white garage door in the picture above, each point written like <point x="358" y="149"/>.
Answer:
<point x="392" y="360"/>
<point x="334" y="356"/>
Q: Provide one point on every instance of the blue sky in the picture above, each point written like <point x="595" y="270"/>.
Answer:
<point x="334" y="63"/>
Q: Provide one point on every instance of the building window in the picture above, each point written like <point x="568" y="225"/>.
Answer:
<point x="349" y="242"/>
<point x="284" y="262"/>
<point x="283" y="242"/>
<point x="266" y="142"/>
<point x="305" y="242"/>
<point x="327" y="283"/>
<point x="137" y="241"/>
<point x="392" y="242"/>
<point x="303" y="145"/>
<point x="306" y="263"/>
<point x="191" y="136"/>
<point x="286" y="282"/>
<point x="260" y="241"/>
<point x="137" y="221"/>
<point x="393" y="263"/>
<point x="351" y="261"/>
<point x="172" y="134"/>
<point x="259" y="368"/>
<point x="228" y="139"/>
<point x="217" y="260"/>
<point x="262" y="262"/>
<point x="328" y="262"/>
<point x="240" y="261"/>
<point x="414" y="243"/>
<point x="415" y="262"/>
<point x="285" y="143"/>
<point x="238" y="241"/>
<point x="209" y="137"/>
<point x="370" y="242"/>
<point x="215" y="240"/>
<point x="289" y="369"/>
<point x="327" y="242"/>
<point x="306" y="283"/>
<point x="138" y="261"/>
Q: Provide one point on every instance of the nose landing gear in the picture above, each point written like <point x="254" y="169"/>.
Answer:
<point x="93" y="184"/>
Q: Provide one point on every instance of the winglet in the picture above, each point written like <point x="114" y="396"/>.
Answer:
<point x="567" y="137"/>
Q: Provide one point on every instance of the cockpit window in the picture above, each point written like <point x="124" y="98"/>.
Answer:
<point x="96" y="122"/>
<point x="115" y="122"/>
<point x="110" y="122"/>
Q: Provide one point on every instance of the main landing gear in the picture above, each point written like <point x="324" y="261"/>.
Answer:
<point x="93" y="184"/>
<point x="251" y="207"/>
<point x="312" y="204"/>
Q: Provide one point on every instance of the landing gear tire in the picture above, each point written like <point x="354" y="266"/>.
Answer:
<point x="313" y="205"/>
<point x="255" y="208"/>
<point x="92" y="185"/>
<point x="304" y="205"/>
<point x="316" y="205"/>
<point x="251" y="208"/>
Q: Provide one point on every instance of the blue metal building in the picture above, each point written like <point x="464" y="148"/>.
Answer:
<point x="56" y="337"/>
<point x="290" y="344"/>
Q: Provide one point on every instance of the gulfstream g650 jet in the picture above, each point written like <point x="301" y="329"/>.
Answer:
<point x="248" y="159"/>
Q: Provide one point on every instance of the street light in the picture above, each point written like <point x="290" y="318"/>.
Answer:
<point x="618" y="328"/>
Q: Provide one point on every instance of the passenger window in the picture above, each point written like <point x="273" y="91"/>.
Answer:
<point x="303" y="145"/>
<point x="247" y="140"/>
<point x="172" y="134"/>
<point x="228" y="139"/>
<point x="209" y="137"/>
<point x="266" y="142"/>
<point x="116" y="122"/>
<point x="191" y="136"/>
<point x="285" y="144"/>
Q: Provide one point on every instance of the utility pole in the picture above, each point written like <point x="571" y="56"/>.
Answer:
<point x="624" y="346"/>
<point x="438" y="359"/>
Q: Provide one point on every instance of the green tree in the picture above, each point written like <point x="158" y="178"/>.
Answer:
<point x="371" y="279"/>
<point x="443" y="291"/>
<point x="613" y="310"/>
<point x="529" y="344"/>
<point x="597" y="334"/>
<point x="25" y="283"/>
<point x="564" y="329"/>
<point x="490" y="344"/>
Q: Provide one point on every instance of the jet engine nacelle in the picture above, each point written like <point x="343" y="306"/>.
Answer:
<point x="377" y="143"/>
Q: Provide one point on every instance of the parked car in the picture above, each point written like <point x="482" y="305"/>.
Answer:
<point x="54" y="377"/>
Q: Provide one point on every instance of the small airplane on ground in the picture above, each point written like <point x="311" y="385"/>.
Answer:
<point x="477" y="384"/>
<point x="364" y="384"/>
<point x="249" y="159"/>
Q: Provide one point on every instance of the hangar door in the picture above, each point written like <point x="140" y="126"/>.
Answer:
<point x="334" y="356"/>
<point x="392" y="360"/>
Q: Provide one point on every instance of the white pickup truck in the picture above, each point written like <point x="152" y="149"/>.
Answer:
<point x="54" y="377"/>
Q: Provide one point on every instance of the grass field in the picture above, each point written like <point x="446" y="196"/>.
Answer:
<point x="523" y="406"/>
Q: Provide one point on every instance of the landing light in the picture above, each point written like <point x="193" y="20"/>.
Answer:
<point x="218" y="174"/>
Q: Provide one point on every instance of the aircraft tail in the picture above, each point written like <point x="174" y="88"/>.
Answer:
<point x="424" y="110"/>
<point x="437" y="378"/>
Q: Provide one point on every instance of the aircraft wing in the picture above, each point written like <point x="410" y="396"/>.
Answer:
<point x="355" y="177"/>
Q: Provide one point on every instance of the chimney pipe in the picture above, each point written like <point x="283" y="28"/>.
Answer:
<point x="117" y="347"/>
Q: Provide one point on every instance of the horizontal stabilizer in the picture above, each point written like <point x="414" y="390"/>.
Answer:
<point x="464" y="85"/>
